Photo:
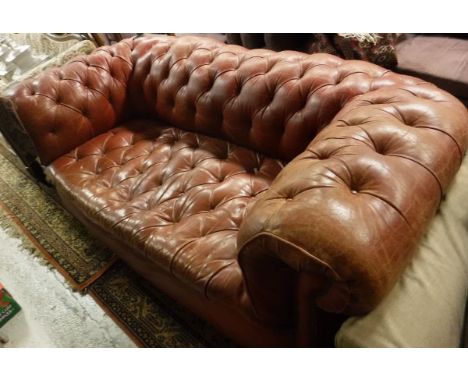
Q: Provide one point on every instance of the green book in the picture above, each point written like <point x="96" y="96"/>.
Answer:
<point x="8" y="306"/>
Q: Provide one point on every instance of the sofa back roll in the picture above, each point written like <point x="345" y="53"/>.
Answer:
<point x="273" y="103"/>
<point x="64" y="107"/>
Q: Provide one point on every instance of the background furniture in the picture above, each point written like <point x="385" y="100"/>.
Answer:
<point x="260" y="189"/>
<point x="16" y="59"/>
<point x="52" y="50"/>
<point x="378" y="48"/>
<point x="440" y="59"/>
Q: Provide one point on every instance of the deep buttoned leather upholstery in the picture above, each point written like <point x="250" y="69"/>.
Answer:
<point x="365" y="189"/>
<point x="176" y="146"/>
<point x="178" y="196"/>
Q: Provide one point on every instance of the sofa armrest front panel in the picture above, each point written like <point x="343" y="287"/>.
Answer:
<point x="64" y="107"/>
<point x="351" y="208"/>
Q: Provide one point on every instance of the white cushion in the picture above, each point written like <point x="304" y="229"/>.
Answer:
<point x="426" y="307"/>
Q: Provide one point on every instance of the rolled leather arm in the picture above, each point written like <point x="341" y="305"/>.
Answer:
<point x="64" y="107"/>
<point x="348" y="211"/>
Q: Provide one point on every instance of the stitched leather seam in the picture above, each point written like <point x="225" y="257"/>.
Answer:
<point x="125" y="218"/>
<point x="439" y="183"/>
<point x="179" y="251"/>
<point x="187" y="57"/>
<point x="389" y="203"/>
<point x="85" y="86"/>
<point x="115" y="55"/>
<point x="345" y="183"/>
<point x="154" y="59"/>
<point x="59" y="103"/>
<point x="368" y="136"/>
<point x="101" y="67"/>
<point x="176" y="254"/>
<point x="350" y="74"/>
<point x="150" y="226"/>
<point x="74" y="108"/>
<point x="460" y="151"/>
<point x="278" y="256"/>
<point x="348" y="170"/>
<point x="348" y="137"/>
<point x="295" y="246"/>
<point x="201" y="184"/>
<point x="214" y="274"/>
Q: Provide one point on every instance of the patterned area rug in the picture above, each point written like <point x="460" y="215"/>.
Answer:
<point x="59" y="236"/>
<point x="32" y="213"/>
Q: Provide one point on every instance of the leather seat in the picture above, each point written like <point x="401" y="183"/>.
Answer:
<point x="179" y="197"/>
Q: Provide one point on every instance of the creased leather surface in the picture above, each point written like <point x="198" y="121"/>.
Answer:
<point x="274" y="103"/>
<point x="365" y="190"/>
<point x="370" y="154"/>
<point x="64" y="107"/>
<point x="177" y="196"/>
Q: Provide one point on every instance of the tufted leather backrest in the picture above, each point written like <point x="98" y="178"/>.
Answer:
<point x="271" y="102"/>
<point x="274" y="103"/>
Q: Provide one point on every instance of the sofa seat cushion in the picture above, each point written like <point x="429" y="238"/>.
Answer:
<point x="177" y="196"/>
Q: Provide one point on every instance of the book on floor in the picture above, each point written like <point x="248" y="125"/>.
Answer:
<point x="8" y="306"/>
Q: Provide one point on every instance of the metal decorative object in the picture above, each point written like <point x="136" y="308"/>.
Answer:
<point x="16" y="59"/>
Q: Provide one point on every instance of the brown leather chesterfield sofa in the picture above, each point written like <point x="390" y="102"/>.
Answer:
<point x="256" y="188"/>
